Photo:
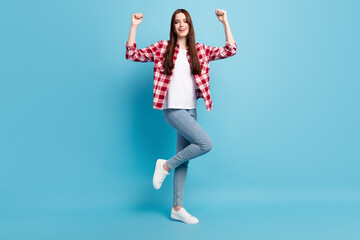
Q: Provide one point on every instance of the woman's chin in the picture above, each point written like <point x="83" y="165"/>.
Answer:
<point x="182" y="35"/>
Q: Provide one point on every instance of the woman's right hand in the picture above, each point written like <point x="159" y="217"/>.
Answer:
<point x="136" y="19"/>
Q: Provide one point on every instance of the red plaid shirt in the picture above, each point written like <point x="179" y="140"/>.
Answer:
<point x="156" y="53"/>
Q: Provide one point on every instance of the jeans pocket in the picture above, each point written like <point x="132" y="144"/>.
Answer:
<point x="193" y="113"/>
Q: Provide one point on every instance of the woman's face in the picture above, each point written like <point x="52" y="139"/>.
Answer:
<point x="181" y="25"/>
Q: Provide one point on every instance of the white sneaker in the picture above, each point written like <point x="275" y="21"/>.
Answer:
<point x="159" y="174"/>
<point x="183" y="215"/>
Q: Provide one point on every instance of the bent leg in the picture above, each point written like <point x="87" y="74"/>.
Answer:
<point x="200" y="142"/>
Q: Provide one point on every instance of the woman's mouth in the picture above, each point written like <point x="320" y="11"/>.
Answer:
<point x="182" y="30"/>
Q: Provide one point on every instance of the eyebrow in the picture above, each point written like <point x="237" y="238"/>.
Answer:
<point x="179" y="19"/>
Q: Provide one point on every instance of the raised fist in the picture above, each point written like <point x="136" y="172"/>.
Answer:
<point x="221" y="14"/>
<point x="136" y="19"/>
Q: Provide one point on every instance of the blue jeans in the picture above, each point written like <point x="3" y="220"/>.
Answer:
<point x="192" y="141"/>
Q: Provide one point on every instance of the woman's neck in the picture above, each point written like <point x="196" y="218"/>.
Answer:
<point x="182" y="43"/>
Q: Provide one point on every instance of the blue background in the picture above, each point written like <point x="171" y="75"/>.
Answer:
<point x="79" y="137"/>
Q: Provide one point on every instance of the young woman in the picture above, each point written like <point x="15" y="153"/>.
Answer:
<point x="181" y="76"/>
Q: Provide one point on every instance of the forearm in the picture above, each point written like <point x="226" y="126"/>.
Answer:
<point x="229" y="36"/>
<point x="132" y="34"/>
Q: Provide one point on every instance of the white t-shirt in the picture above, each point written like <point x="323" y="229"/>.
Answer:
<point x="181" y="91"/>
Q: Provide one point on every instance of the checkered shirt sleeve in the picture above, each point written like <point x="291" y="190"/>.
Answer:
<point x="140" y="55"/>
<point x="215" y="53"/>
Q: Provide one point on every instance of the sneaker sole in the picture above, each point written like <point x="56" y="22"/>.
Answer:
<point x="178" y="219"/>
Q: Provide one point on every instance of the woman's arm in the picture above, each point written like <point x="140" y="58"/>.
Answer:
<point x="230" y="47"/>
<point x="138" y="55"/>
<point x="136" y="19"/>
<point x="229" y="36"/>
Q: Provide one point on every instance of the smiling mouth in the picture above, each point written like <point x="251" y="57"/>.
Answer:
<point x="182" y="30"/>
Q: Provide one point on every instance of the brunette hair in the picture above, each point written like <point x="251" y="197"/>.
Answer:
<point x="190" y="41"/>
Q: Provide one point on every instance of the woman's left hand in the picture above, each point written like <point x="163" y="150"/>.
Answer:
<point x="221" y="14"/>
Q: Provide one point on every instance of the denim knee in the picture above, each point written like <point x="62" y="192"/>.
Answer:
<point x="205" y="144"/>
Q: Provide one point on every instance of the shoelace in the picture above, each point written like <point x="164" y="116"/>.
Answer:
<point x="162" y="176"/>
<point x="188" y="214"/>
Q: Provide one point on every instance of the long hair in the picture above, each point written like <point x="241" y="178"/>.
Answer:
<point x="190" y="41"/>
